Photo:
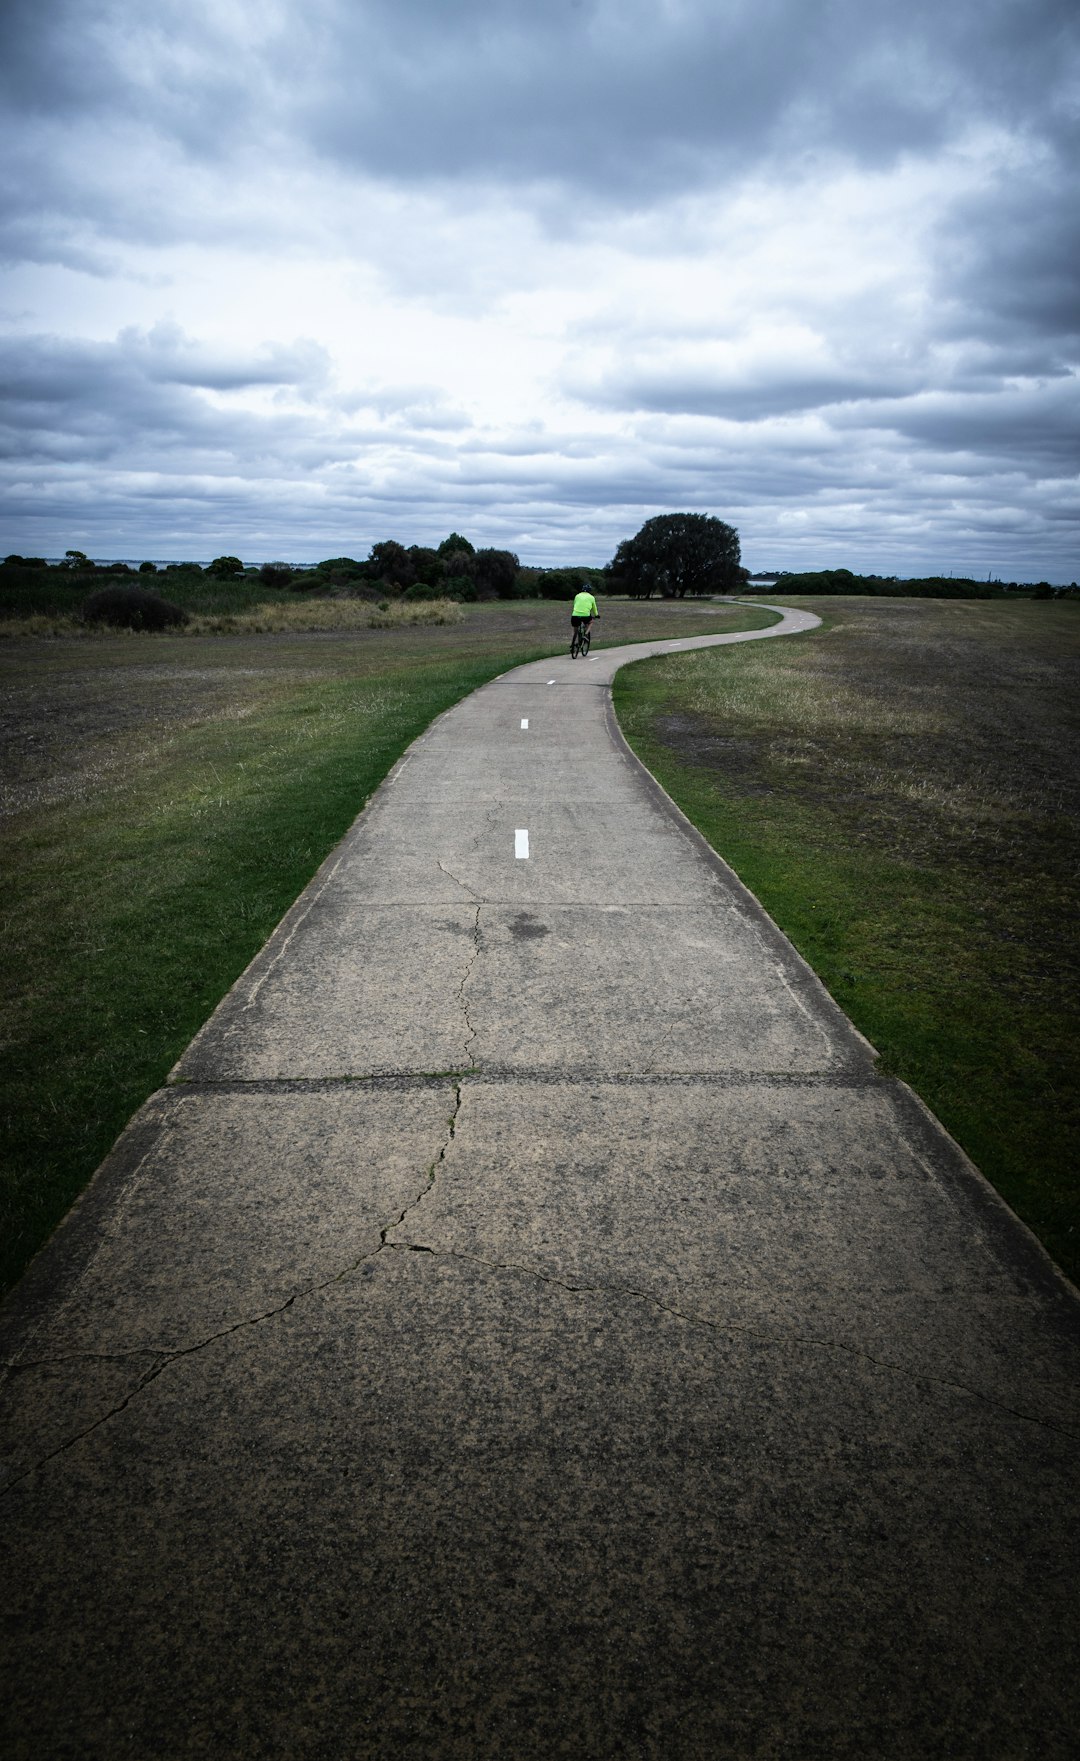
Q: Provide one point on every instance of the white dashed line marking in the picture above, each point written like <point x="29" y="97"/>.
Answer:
<point x="525" y="722"/>
<point x="521" y="845"/>
<point x="551" y="681"/>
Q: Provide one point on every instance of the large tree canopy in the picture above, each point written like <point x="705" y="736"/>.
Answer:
<point x="675" y="554"/>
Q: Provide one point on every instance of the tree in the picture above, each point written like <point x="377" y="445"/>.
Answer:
<point x="458" y="564"/>
<point x="496" y="571"/>
<point x="454" y="542"/>
<point x="676" y="554"/>
<point x="76" y="559"/>
<point x="390" y="562"/>
<point x="427" y="565"/>
<point x="225" y="566"/>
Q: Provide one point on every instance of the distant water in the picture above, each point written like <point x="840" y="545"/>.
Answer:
<point x="159" y="562"/>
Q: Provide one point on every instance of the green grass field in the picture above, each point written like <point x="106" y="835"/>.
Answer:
<point x="165" y="800"/>
<point x="901" y="791"/>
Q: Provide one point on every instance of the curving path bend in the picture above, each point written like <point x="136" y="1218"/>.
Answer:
<point x="528" y="1325"/>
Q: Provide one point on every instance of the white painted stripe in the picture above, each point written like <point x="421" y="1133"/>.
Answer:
<point x="551" y="681"/>
<point x="525" y="722"/>
<point x="521" y="845"/>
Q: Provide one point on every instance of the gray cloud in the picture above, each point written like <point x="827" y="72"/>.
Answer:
<point x="1030" y="429"/>
<point x="614" y="100"/>
<point x="745" y="395"/>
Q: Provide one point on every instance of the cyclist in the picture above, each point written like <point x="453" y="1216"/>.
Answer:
<point x="584" y="610"/>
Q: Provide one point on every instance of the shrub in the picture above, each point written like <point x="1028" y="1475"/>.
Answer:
<point x="554" y="584"/>
<point x="339" y="571"/>
<point x="148" y="568"/>
<point x="339" y="565"/>
<point x="132" y="608"/>
<point x="224" y="566"/>
<point x="434" y="611"/>
<point x="276" y="575"/>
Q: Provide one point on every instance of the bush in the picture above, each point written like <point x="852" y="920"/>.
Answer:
<point x="555" y="584"/>
<point x="148" y="568"/>
<point x="132" y="608"/>
<point x="400" y="614"/>
<point x="426" y="590"/>
<point x="339" y="571"/>
<point x="276" y="575"/>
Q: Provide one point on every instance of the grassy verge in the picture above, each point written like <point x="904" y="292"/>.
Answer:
<point x="166" y="799"/>
<point x="901" y="792"/>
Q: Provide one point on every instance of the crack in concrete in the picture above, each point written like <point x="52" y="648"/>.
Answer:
<point x="163" y="1357"/>
<point x="432" y="1177"/>
<point x="473" y="894"/>
<point x="772" y="1340"/>
<point x="470" y="1030"/>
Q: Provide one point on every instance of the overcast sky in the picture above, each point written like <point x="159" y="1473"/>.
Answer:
<point x="284" y="277"/>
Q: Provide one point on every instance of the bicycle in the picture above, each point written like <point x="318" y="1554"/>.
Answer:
<point x="579" y="642"/>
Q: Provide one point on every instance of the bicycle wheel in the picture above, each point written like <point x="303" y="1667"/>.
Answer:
<point x="586" y="638"/>
<point x="576" y="643"/>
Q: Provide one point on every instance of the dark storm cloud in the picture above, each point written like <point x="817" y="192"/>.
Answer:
<point x="612" y="99"/>
<point x="1009" y="261"/>
<point x="1032" y="430"/>
<point x="621" y="100"/>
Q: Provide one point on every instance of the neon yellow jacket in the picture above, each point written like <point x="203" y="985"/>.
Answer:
<point x="584" y="606"/>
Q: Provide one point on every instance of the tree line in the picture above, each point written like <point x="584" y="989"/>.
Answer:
<point x="830" y="581"/>
<point x="671" y="555"/>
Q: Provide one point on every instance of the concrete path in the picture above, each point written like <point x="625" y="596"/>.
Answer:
<point x="528" y="1327"/>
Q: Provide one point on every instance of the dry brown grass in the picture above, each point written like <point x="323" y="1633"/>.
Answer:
<point x="288" y="619"/>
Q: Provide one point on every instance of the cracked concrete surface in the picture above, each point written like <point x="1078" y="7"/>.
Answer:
<point x="529" y="1325"/>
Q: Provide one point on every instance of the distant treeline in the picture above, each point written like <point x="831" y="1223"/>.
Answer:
<point x="918" y="587"/>
<point x="454" y="569"/>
